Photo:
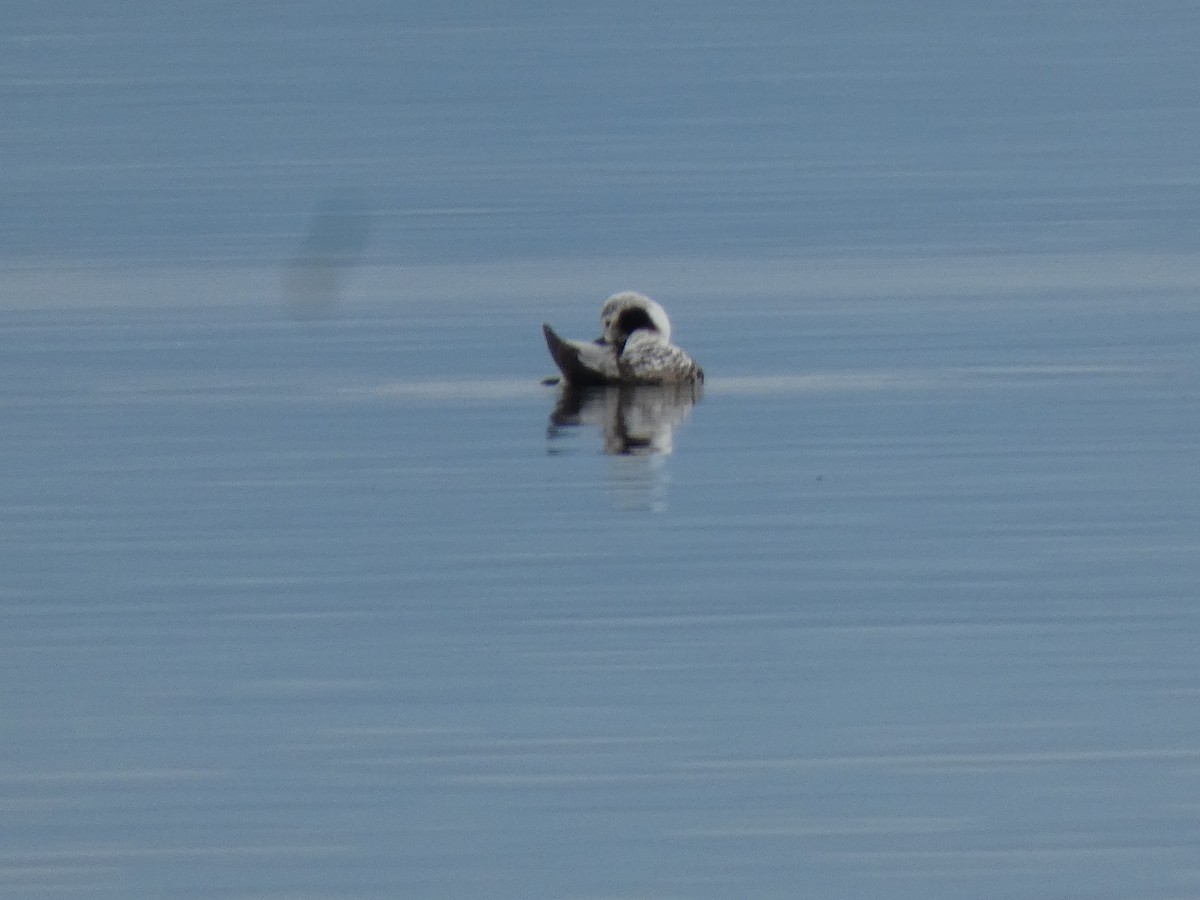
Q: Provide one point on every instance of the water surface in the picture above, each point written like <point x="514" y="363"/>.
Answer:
<point x="305" y="594"/>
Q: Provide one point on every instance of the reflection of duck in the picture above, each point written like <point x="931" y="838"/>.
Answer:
<point x="636" y="419"/>
<point x="635" y="348"/>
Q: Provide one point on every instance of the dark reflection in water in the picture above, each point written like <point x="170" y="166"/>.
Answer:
<point x="636" y="420"/>
<point x="638" y="424"/>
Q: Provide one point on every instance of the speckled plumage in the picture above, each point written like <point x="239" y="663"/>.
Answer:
<point x="634" y="348"/>
<point x="649" y="359"/>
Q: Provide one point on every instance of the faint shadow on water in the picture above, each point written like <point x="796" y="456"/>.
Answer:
<point x="637" y="427"/>
<point x="337" y="236"/>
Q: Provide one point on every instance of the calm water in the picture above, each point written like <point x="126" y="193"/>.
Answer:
<point x="305" y="595"/>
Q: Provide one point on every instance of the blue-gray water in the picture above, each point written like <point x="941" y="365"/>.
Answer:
<point x="303" y="595"/>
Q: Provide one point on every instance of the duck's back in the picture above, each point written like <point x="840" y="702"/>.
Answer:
<point x="648" y="359"/>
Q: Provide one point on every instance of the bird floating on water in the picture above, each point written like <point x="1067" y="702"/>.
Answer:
<point x="634" y="348"/>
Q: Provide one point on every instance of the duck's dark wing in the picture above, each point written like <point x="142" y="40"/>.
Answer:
<point x="582" y="363"/>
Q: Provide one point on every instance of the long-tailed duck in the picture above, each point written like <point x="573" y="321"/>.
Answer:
<point x="634" y="348"/>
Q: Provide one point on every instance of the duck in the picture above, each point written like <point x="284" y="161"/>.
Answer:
<point x="634" y="348"/>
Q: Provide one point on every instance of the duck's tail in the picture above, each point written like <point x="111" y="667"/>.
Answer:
<point x="582" y="364"/>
